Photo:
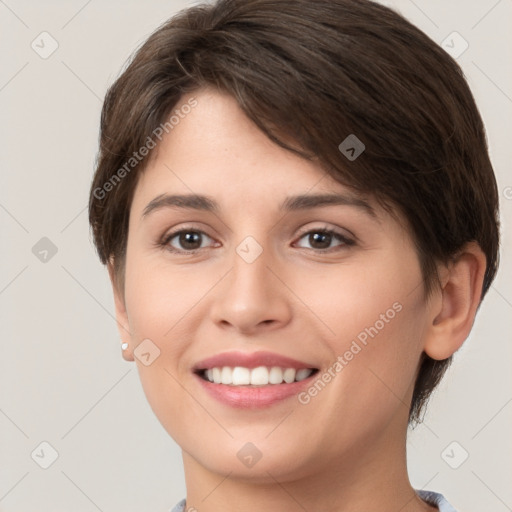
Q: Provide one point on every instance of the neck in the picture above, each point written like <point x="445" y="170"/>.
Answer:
<point x="370" y="476"/>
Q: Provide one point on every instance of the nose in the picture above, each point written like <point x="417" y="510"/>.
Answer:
<point x="253" y="297"/>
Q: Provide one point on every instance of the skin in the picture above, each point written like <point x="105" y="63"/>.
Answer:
<point x="345" y="449"/>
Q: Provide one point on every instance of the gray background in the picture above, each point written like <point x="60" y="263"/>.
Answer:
<point x="62" y="378"/>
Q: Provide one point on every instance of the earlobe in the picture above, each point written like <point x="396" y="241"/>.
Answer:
<point x="121" y="314"/>
<point x="454" y="310"/>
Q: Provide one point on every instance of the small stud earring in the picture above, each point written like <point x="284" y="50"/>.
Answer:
<point x="124" y="345"/>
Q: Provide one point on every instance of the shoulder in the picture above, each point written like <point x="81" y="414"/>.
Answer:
<point x="431" y="497"/>
<point x="179" y="507"/>
<point x="436" y="499"/>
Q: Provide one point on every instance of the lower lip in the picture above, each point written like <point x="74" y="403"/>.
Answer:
<point x="252" y="397"/>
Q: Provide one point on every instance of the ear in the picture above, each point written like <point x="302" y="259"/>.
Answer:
<point x="454" y="310"/>
<point x="121" y="314"/>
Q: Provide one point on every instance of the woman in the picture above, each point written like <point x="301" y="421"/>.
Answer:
<point x="298" y="213"/>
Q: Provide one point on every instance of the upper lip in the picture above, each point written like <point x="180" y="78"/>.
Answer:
<point x="250" y="360"/>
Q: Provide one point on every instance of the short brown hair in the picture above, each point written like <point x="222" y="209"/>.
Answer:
<point x="314" y="73"/>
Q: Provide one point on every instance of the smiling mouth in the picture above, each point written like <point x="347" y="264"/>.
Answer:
<point x="254" y="377"/>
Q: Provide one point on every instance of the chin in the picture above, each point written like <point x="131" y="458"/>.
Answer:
<point x="260" y="463"/>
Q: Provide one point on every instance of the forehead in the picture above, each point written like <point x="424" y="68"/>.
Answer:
<point x="216" y="139"/>
<point x="216" y="149"/>
<point x="217" y="152"/>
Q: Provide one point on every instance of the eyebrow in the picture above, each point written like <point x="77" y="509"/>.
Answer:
<point x="306" y="201"/>
<point x="291" y="203"/>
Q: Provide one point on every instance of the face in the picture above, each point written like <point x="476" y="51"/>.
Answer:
<point x="280" y="272"/>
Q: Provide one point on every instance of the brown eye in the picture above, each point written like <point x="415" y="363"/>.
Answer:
<point x="189" y="240"/>
<point x="186" y="240"/>
<point x="324" y="240"/>
<point x="320" y="240"/>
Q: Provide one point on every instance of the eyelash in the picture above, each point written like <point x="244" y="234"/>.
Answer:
<point x="345" y="241"/>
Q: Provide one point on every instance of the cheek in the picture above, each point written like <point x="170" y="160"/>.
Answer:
<point x="158" y="297"/>
<point x="374" y="317"/>
<point x="371" y="387"/>
<point x="155" y="304"/>
<point x="165" y="304"/>
<point x="361" y="297"/>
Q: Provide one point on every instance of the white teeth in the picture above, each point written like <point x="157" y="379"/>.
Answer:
<point x="289" y="375"/>
<point x="241" y="376"/>
<point x="260" y="376"/>
<point x="275" y="375"/>
<point x="302" y="374"/>
<point x="226" y="375"/>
